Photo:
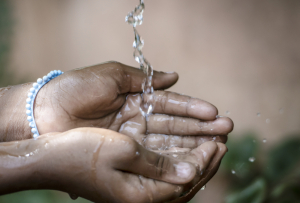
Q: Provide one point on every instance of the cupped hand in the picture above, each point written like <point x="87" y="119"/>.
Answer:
<point x="96" y="97"/>
<point x="106" y="166"/>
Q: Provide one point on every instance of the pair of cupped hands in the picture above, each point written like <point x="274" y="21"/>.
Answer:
<point x="105" y="150"/>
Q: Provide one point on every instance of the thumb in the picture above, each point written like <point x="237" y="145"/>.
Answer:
<point x="130" y="79"/>
<point x="159" y="167"/>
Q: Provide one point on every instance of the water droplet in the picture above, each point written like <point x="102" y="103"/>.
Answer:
<point x="135" y="17"/>
<point x="264" y="140"/>
<point x="252" y="159"/>
<point x="138" y="42"/>
<point x="138" y="56"/>
<point x="281" y="110"/>
<point x="233" y="171"/>
<point x="137" y="153"/>
<point x="177" y="189"/>
<point x="268" y="120"/>
<point x="27" y="155"/>
<point x="73" y="196"/>
<point x="227" y="112"/>
<point x="203" y="188"/>
<point x="258" y="114"/>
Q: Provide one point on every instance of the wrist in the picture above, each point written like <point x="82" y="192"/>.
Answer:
<point x="13" y="120"/>
<point x="22" y="164"/>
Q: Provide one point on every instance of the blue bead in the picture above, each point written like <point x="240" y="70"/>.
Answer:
<point x="35" y="136"/>
<point x="28" y="100"/>
<point x="52" y="73"/>
<point x="29" y="118"/>
<point x="39" y="81"/>
<point x="32" y="90"/>
<point x="35" y="85"/>
<point x="45" y="78"/>
<point x="55" y="72"/>
<point x="59" y="72"/>
<point x="49" y="75"/>
<point x="28" y="106"/>
<point x="33" y="130"/>
<point x="28" y="112"/>
<point x="30" y="95"/>
<point x="31" y="124"/>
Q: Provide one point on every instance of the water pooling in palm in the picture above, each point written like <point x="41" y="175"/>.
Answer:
<point x="135" y="18"/>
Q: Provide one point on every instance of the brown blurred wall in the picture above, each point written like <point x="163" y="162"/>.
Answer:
<point x="242" y="56"/>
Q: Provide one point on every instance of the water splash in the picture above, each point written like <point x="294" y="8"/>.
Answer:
<point x="135" y="18"/>
<point x="73" y="196"/>
<point x="252" y="159"/>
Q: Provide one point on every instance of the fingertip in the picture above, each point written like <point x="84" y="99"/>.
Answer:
<point x="226" y="125"/>
<point x="164" y="80"/>
<point x="222" y="149"/>
<point x="185" y="172"/>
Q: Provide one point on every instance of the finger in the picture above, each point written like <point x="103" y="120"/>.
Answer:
<point x="207" y="175"/>
<point x="173" y="125"/>
<point x="136" y="188"/>
<point x="130" y="79"/>
<point x="181" y="105"/>
<point x="166" y="142"/>
<point x="156" y="166"/>
<point x="201" y="156"/>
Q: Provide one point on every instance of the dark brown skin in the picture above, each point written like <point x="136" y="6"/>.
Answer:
<point x="102" y="166"/>
<point x="96" y="97"/>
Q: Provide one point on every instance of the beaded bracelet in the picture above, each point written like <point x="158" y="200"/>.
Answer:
<point x="31" y="97"/>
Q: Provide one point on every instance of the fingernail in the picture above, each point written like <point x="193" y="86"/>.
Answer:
<point x="183" y="170"/>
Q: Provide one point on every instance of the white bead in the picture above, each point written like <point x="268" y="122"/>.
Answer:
<point x="29" y="118"/>
<point x="33" y="130"/>
<point x="31" y="124"/>
<point x="39" y="81"/>
<point x="28" y="100"/>
<point x="32" y="90"/>
<point x="30" y="94"/>
<point x="28" y="112"/>
<point x="45" y="78"/>
<point x="35" y="85"/>
<point x="28" y="106"/>
<point x="35" y="136"/>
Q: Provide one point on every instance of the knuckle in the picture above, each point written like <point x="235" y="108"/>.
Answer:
<point x="162" y="164"/>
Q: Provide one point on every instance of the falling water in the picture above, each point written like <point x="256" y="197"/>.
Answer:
<point x="135" y="18"/>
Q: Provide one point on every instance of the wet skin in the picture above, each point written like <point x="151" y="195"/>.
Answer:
<point x="105" y="96"/>
<point x="103" y="166"/>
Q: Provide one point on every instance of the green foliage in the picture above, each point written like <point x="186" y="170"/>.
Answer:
<point x="274" y="177"/>
<point x="254" y="193"/>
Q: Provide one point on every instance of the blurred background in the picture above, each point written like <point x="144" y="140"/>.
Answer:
<point x="242" y="56"/>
